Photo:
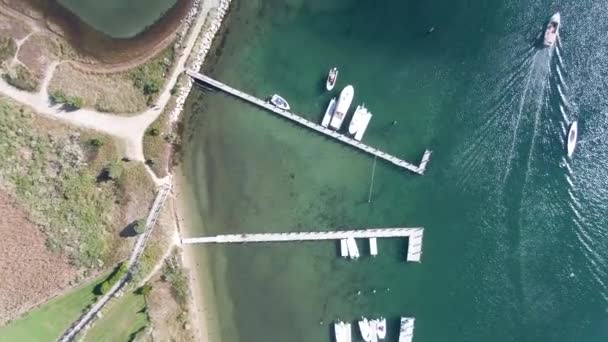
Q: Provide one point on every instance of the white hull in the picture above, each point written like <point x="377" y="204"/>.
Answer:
<point x="359" y="122"/>
<point x="340" y="332"/>
<point x="572" y="138"/>
<point x="343" y="248"/>
<point x="331" y="82"/>
<point x="279" y="102"/>
<point x="373" y="327"/>
<point x="329" y="112"/>
<point x="348" y="334"/>
<point x="365" y="330"/>
<point x="373" y="246"/>
<point x="552" y="30"/>
<point x="346" y="98"/>
<point x="353" y="251"/>
<point x="406" y="331"/>
<point x="381" y="328"/>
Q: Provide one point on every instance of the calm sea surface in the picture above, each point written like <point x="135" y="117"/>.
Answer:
<point x="119" y="18"/>
<point x="516" y="239"/>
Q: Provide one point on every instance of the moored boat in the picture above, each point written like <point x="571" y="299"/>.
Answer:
<point x="329" y="112"/>
<point x="381" y="328"/>
<point x="353" y="250"/>
<point x="572" y="138"/>
<point x="552" y="30"/>
<point x="280" y="102"/>
<point x="373" y="328"/>
<point x="365" y="330"/>
<point x="359" y="122"/>
<point x="346" y="97"/>
<point x="348" y="336"/>
<point x="340" y="332"/>
<point x="406" y="331"/>
<point x="332" y="77"/>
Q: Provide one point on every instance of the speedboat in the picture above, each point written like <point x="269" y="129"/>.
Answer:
<point x="348" y="336"/>
<point x="340" y="332"/>
<point x="406" y="331"/>
<point x="365" y="330"/>
<point x="353" y="250"/>
<point x="359" y="122"/>
<point x="373" y="328"/>
<point x="332" y="77"/>
<point x="280" y="102"/>
<point x="572" y="138"/>
<point x="381" y="328"/>
<point x="552" y="30"/>
<point x="346" y="97"/>
<point x="329" y="112"/>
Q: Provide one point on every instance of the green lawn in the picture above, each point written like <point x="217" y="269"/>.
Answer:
<point x="123" y="318"/>
<point x="49" y="321"/>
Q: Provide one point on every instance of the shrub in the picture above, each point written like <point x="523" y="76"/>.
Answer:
<point x="114" y="170"/>
<point x="96" y="142"/>
<point x="144" y="290"/>
<point x="8" y="48"/>
<point x="140" y="226"/>
<point x="21" y="78"/>
<point x="154" y="132"/>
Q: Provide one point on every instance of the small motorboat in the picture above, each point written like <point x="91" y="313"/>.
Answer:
<point x="331" y="107"/>
<point x="572" y="138"/>
<point x="406" y="331"/>
<point x="364" y="328"/>
<point x="280" y="102"/>
<point x="332" y="77"/>
<point x="340" y="331"/>
<point x="552" y="30"/>
<point x="381" y="328"/>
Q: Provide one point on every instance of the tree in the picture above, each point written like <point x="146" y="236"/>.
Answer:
<point x="114" y="170"/>
<point x="145" y="290"/>
<point x="140" y="226"/>
<point x="74" y="102"/>
<point x="57" y="96"/>
<point x="96" y="142"/>
<point x="154" y="131"/>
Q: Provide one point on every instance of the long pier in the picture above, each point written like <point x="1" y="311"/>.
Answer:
<point x="419" y="169"/>
<point x="414" y="236"/>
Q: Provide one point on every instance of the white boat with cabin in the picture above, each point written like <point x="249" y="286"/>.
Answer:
<point x="331" y="107"/>
<point x="359" y="122"/>
<point x="552" y="30"/>
<point x="406" y="331"/>
<point x="280" y="102"/>
<point x="381" y="328"/>
<point x="373" y="327"/>
<point x="373" y="246"/>
<point x="340" y="332"/>
<point x="348" y="332"/>
<point x="572" y="138"/>
<point x="365" y="330"/>
<point x="344" y="101"/>
<point x="343" y="248"/>
<point x="332" y="77"/>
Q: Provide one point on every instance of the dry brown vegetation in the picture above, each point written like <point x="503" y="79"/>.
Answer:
<point x="105" y="92"/>
<point x="37" y="52"/>
<point x="30" y="273"/>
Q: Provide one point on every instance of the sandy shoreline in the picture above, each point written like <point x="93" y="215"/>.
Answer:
<point x="203" y="305"/>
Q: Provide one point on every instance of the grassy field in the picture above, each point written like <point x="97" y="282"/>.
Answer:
<point x="50" y="320"/>
<point x="122" y="320"/>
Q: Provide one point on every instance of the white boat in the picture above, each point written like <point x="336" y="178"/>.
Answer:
<point x="329" y="112"/>
<point x="373" y="246"/>
<point x="373" y="328"/>
<point x="364" y="329"/>
<point x="381" y="328"/>
<point x="552" y="30"/>
<point x="340" y="332"/>
<point x="280" y="102"/>
<point x="343" y="248"/>
<point x="406" y="331"/>
<point x="572" y="138"/>
<point x="348" y="336"/>
<point x="353" y="251"/>
<point x="346" y="97"/>
<point x="359" y="122"/>
<point x="332" y="77"/>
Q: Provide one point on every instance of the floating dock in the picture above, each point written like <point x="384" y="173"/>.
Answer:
<point x="414" y="236"/>
<point x="419" y="169"/>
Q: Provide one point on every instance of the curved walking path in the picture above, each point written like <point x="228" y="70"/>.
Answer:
<point x="129" y="129"/>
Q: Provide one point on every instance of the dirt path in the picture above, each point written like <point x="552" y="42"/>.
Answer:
<point x="129" y="129"/>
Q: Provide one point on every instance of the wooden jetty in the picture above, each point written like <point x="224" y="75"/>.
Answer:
<point x="414" y="236"/>
<point x="419" y="169"/>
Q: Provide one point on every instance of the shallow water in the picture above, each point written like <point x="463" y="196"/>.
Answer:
<point x="119" y="18"/>
<point x="515" y="244"/>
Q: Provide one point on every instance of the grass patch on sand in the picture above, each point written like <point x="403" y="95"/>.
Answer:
<point x="157" y="144"/>
<point x="150" y="77"/>
<point x="8" y="47"/>
<point x="49" y="321"/>
<point x="124" y="319"/>
<point x="21" y="78"/>
<point x="56" y="174"/>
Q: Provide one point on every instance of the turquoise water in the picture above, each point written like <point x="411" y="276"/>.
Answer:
<point x="515" y="244"/>
<point x="119" y="18"/>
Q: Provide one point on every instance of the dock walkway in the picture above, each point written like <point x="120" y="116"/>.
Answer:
<point x="414" y="235"/>
<point x="419" y="169"/>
